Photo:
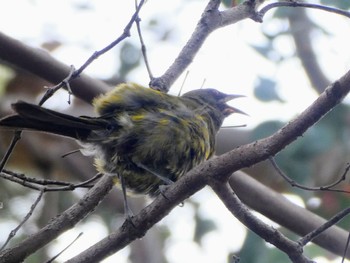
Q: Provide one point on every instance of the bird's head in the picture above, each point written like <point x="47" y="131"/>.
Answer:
<point x="214" y="103"/>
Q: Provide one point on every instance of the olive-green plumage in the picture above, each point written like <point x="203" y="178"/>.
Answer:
<point x="141" y="135"/>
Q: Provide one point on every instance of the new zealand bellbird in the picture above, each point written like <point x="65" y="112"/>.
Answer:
<point x="145" y="138"/>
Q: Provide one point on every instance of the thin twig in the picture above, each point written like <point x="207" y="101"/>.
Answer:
<point x="64" y="83"/>
<point x="183" y="83"/>
<point x="309" y="188"/>
<point x="34" y="180"/>
<point x="62" y="222"/>
<point x="37" y="184"/>
<point x="75" y="73"/>
<point x="28" y="215"/>
<point x="126" y="33"/>
<point x="260" y="14"/>
<point x="20" y="181"/>
<point x="143" y="46"/>
<point x="87" y="182"/>
<point x="234" y="126"/>
<point x="16" y="137"/>
<point x="335" y="219"/>
<point x="203" y="83"/>
<point x="60" y="253"/>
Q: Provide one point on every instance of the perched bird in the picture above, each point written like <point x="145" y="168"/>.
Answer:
<point x="145" y="138"/>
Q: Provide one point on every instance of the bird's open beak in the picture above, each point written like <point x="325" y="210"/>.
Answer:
<point x="229" y="109"/>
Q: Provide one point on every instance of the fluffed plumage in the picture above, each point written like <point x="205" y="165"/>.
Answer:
<point x="141" y="135"/>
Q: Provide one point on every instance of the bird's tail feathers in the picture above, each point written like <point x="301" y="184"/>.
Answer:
<point x="34" y="117"/>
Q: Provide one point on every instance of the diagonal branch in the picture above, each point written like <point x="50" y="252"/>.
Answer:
<point x="25" y="219"/>
<point x="211" y="20"/>
<point x="242" y="213"/>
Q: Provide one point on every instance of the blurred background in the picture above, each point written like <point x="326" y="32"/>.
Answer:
<point x="280" y="65"/>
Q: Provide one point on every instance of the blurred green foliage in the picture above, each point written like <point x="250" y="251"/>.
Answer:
<point x="337" y="3"/>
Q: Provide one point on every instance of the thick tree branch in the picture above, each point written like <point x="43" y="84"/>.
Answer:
<point x="42" y="64"/>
